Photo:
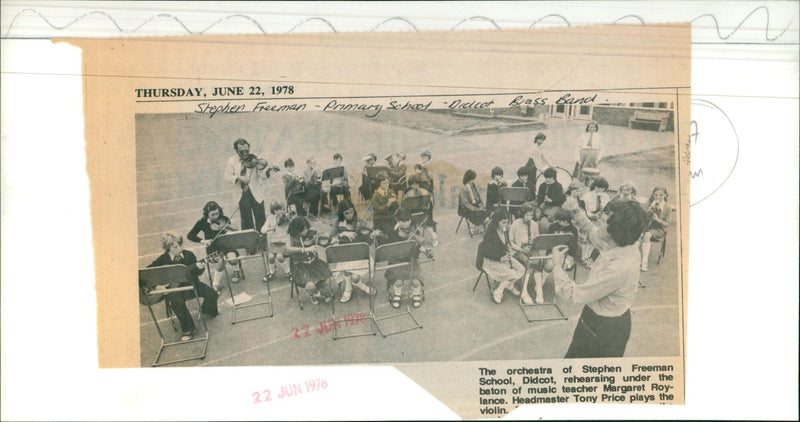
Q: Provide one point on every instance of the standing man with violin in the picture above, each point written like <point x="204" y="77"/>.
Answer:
<point x="248" y="176"/>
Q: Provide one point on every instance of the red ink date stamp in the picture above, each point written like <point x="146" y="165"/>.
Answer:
<point x="290" y="390"/>
<point x="348" y="320"/>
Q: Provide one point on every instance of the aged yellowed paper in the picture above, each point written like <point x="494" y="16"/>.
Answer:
<point x="345" y="124"/>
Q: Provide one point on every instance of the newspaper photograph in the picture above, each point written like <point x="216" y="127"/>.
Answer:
<point x="501" y="216"/>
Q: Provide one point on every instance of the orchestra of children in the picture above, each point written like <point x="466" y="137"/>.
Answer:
<point x="392" y="195"/>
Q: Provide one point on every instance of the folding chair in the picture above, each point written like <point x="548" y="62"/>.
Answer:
<point x="466" y="220"/>
<point x="351" y="257"/>
<point x="395" y="255"/>
<point x="551" y="309"/>
<point x="158" y="281"/>
<point x="481" y="272"/>
<point x="513" y="198"/>
<point x="254" y="245"/>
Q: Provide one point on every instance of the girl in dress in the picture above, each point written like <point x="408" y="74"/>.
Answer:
<point x="309" y="271"/>
<point x="275" y="228"/>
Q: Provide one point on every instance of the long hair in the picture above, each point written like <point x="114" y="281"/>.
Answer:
<point x="656" y="189"/>
<point x="345" y="205"/>
<point x="211" y="206"/>
<point x="469" y="176"/>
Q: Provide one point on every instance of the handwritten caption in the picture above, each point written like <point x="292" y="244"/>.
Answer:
<point x="238" y="95"/>
<point x="348" y="320"/>
<point x="289" y="390"/>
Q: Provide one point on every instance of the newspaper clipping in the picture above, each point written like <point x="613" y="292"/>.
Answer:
<point x="500" y="215"/>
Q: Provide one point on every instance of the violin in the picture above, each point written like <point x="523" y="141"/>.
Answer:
<point x="252" y="161"/>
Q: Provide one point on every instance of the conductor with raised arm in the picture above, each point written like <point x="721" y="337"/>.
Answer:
<point x="605" y="323"/>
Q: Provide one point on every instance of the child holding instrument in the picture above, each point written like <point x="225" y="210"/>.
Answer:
<point x="294" y="186"/>
<point x="382" y="205"/>
<point x="175" y="254"/>
<point x="211" y="225"/>
<point x="470" y="205"/>
<point x="563" y="224"/>
<point x="597" y="198"/>
<point x="658" y="210"/>
<point x="396" y="277"/>
<point x="524" y="181"/>
<point x="549" y="197"/>
<point x="417" y="191"/>
<point x="343" y="186"/>
<point x="537" y="161"/>
<point x="493" y="189"/>
<point x="351" y="229"/>
<point x="309" y="271"/>
<point x="275" y="229"/>
<point x="498" y="261"/>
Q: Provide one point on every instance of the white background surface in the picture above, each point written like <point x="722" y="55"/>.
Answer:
<point x="743" y="283"/>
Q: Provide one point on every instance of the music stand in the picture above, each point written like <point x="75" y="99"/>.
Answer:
<point x="165" y="280"/>
<point x="249" y="240"/>
<point x="414" y="204"/>
<point x="350" y="257"/>
<point x="513" y="198"/>
<point x="552" y="310"/>
<point x="395" y="255"/>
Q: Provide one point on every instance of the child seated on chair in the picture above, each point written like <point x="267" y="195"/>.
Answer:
<point x="549" y="197"/>
<point x="563" y="224"/>
<point x="493" y="189"/>
<point x="351" y="229"/>
<point x="499" y="263"/>
<point x="309" y="271"/>
<point x="658" y="210"/>
<point x="596" y="198"/>
<point x="524" y="181"/>
<point x="342" y="187"/>
<point x="470" y="205"/>
<point x="416" y="190"/>
<point x="396" y="277"/>
<point x="275" y="229"/>
<point x="174" y="253"/>
<point x="522" y="232"/>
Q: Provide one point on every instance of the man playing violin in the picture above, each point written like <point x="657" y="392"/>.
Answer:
<point x="212" y="224"/>
<point x="175" y="254"/>
<point x="249" y="184"/>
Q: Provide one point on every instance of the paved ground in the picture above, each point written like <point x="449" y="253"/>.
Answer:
<point x="180" y="159"/>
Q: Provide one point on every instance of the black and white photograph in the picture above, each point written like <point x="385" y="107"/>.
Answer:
<point x="365" y="235"/>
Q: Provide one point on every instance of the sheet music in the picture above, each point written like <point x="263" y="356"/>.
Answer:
<point x="742" y="282"/>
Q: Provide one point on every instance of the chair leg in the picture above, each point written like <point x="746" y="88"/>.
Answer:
<point x="663" y="250"/>
<point x="477" y="280"/>
<point x="459" y="224"/>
